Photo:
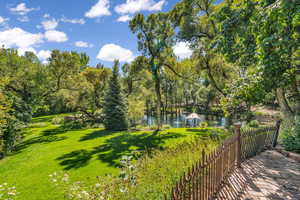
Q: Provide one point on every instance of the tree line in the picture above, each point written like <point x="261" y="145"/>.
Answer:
<point x="245" y="53"/>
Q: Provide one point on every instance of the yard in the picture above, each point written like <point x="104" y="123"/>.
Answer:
<point x="83" y="153"/>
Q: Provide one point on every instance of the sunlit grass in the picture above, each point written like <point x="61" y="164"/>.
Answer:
<point x="83" y="153"/>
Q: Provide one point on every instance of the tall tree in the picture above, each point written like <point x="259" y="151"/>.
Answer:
<point x="115" y="108"/>
<point x="155" y="40"/>
<point x="262" y="38"/>
<point x="198" y="27"/>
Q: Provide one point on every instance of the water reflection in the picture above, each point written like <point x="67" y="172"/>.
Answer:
<point x="180" y="121"/>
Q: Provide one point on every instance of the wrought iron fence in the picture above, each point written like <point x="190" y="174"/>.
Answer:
<point x="205" y="178"/>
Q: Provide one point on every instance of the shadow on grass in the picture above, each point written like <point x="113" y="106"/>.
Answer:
<point x="96" y="134"/>
<point x="54" y="131"/>
<point x="47" y="136"/>
<point x="38" y="140"/>
<point x="114" y="148"/>
<point x="201" y="130"/>
<point x="43" y="119"/>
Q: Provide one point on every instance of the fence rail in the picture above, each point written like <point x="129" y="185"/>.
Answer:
<point x="205" y="178"/>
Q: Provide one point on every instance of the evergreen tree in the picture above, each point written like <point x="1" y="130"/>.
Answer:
<point x="115" y="109"/>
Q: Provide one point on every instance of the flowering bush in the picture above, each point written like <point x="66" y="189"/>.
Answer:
<point x="7" y="192"/>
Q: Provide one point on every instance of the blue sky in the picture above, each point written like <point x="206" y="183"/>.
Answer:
<point x="91" y="26"/>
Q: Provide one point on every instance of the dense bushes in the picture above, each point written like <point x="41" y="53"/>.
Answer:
<point x="253" y="124"/>
<point x="291" y="136"/>
<point x="10" y="121"/>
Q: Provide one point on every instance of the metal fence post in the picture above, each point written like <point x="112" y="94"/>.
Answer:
<point x="238" y="133"/>
<point x="276" y="133"/>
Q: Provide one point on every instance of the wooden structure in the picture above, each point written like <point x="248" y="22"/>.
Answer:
<point x="205" y="178"/>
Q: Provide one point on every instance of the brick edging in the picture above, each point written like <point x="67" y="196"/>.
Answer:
<point x="288" y="154"/>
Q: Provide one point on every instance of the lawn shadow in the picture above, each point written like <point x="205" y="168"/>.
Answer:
<point x="43" y="119"/>
<point x="54" y="131"/>
<point x="46" y="136"/>
<point x="75" y="159"/>
<point x="96" y="134"/>
<point x="114" y="148"/>
<point x="37" y="140"/>
<point x="198" y="130"/>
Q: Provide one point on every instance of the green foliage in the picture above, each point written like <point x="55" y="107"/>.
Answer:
<point x="291" y="136"/>
<point x="115" y="108"/>
<point x="57" y="120"/>
<point x="262" y="37"/>
<point x="10" y="120"/>
<point x="82" y="153"/>
<point x="150" y="177"/>
<point x="253" y="124"/>
<point x="155" y="39"/>
<point x="136" y="110"/>
<point x="166" y="126"/>
<point x="76" y="124"/>
<point x="203" y="124"/>
<point x="28" y="87"/>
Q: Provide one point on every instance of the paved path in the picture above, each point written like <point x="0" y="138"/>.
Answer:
<point x="269" y="175"/>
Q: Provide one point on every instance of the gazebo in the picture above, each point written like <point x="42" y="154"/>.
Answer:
<point x="194" y="117"/>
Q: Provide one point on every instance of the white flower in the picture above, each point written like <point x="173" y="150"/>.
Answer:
<point x="65" y="178"/>
<point x="11" y="193"/>
<point x="85" y="193"/>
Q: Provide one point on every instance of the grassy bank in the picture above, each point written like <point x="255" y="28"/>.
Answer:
<point x="82" y="153"/>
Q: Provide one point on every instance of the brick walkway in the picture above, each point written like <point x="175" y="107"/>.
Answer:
<point x="269" y="175"/>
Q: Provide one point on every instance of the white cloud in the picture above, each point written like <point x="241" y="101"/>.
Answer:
<point x="182" y="50"/>
<point x="73" y="21"/>
<point x="56" y="36"/>
<point x="3" y="20"/>
<point x="23" y="19"/>
<point x="134" y="6"/>
<point x="17" y="37"/>
<point x="124" y="18"/>
<point x="50" y="24"/>
<point x="43" y="55"/>
<point x="99" y="9"/>
<point x="21" y="51"/>
<point x="82" y="44"/>
<point x="21" y="9"/>
<point x="46" y="15"/>
<point x="110" y="52"/>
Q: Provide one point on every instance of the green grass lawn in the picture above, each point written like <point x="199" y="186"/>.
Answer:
<point x="82" y="153"/>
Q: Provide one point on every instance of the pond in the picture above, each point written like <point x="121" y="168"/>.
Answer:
<point x="180" y="121"/>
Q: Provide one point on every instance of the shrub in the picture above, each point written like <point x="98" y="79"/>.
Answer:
<point x="253" y="124"/>
<point x="166" y="126"/>
<point x="203" y="124"/>
<point x="74" y="124"/>
<point x="291" y="136"/>
<point x="153" y="127"/>
<point x="57" y="120"/>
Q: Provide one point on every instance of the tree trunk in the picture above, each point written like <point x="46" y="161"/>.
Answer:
<point x="283" y="103"/>
<point x="158" y="103"/>
<point x="296" y="93"/>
